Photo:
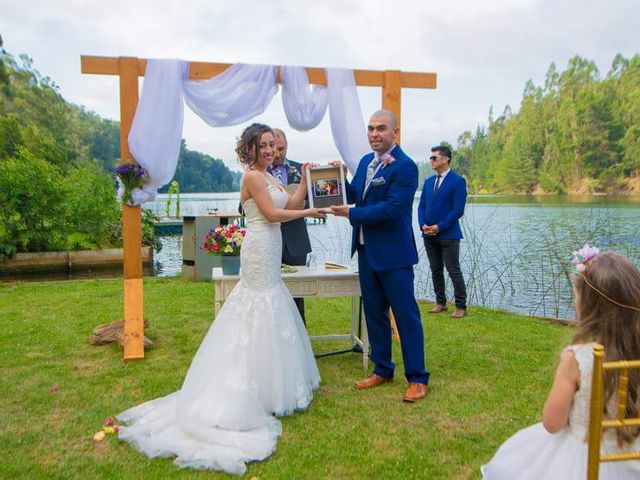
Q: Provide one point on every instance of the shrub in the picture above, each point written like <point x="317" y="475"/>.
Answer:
<point x="32" y="210"/>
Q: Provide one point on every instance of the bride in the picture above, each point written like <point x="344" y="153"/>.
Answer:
<point x="256" y="360"/>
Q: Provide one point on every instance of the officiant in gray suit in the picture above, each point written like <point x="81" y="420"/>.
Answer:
<point x="295" y="238"/>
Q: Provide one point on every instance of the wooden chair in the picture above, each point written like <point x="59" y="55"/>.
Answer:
<point x="596" y="423"/>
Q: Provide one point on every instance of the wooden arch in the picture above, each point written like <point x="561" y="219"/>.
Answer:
<point x="128" y="69"/>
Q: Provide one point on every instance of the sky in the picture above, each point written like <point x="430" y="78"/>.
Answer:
<point x="483" y="52"/>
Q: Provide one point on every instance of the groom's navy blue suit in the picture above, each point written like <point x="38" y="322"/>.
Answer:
<point x="386" y="259"/>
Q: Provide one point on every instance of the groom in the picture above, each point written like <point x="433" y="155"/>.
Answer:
<point x="383" y="189"/>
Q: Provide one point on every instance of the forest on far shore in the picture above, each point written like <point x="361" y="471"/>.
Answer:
<point x="578" y="133"/>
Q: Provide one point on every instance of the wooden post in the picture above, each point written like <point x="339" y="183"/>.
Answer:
<point x="131" y="221"/>
<point x="391" y="94"/>
<point x="391" y="99"/>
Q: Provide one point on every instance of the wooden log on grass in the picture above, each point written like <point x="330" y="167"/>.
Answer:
<point x="114" y="332"/>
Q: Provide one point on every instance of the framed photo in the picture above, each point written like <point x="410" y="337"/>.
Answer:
<point x="326" y="186"/>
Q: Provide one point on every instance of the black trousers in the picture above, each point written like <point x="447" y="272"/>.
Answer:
<point x="444" y="252"/>
<point x="297" y="260"/>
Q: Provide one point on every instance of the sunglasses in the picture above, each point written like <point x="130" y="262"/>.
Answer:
<point x="433" y="158"/>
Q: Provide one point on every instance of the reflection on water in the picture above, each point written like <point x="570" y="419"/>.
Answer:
<point x="515" y="255"/>
<point x="168" y="261"/>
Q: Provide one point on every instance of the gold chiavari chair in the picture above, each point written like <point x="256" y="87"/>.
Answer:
<point x="596" y="422"/>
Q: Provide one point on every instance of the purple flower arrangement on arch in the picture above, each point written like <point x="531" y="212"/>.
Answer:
<point x="130" y="175"/>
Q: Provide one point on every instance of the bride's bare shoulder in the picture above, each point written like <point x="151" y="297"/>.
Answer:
<point x="253" y="177"/>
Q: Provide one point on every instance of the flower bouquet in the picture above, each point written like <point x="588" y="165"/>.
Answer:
<point x="130" y="176"/>
<point x="226" y="241"/>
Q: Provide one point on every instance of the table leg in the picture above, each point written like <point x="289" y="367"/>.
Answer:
<point x="365" y="343"/>
<point x="354" y="320"/>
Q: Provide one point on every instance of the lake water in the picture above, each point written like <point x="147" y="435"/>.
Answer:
<point x="515" y="255"/>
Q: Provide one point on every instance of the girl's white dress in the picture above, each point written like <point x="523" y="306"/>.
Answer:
<point x="535" y="454"/>
<point x="255" y="362"/>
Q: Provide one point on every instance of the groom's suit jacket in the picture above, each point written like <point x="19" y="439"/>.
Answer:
<point x="384" y="212"/>
<point x="445" y="207"/>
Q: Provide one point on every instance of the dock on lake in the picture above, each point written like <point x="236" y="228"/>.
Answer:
<point x="168" y="226"/>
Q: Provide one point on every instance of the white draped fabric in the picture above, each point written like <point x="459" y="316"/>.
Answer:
<point x="156" y="131"/>
<point x="347" y="123"/>
<point x="304" y="107"/>
<point x="236" y="95"/>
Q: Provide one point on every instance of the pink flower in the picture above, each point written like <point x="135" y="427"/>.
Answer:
<point x="108" y="421"/>
<point x="387" y="159"/>
<point x="584" y="255"/>
<point x="216" y="248"/>
<point x="53" y="388"/>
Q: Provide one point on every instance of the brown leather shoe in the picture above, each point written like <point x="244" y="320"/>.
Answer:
<point x="438" y="309"/>
<point x="459" y="313"/>
<point x="373" y="381"/>
<point x="415" y="392"/>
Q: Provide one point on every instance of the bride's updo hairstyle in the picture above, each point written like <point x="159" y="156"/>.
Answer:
<point x="248" y="145"/>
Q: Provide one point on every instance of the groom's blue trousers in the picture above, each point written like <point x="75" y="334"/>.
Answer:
<point x="392" y="288"/>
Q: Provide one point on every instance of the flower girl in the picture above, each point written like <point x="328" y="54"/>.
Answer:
<point x="607" y="300"/>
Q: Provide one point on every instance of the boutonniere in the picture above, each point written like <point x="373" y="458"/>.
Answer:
<point x="387" y="159"/>
<point x="294" y="174"/>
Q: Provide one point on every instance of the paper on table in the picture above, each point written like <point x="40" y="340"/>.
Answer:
<point x="337" y="266"/>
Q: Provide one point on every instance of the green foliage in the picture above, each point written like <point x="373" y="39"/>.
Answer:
<point x="31" y="204"/>
<point x="10" y="135"/>
<point x="149" y="230"/>
<point x="579" y="133"/>
<point x="92" y="208"/>
<point x="173" y="188"/>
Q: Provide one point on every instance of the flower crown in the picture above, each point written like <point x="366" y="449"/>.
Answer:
<point x="582" y="256"/>
<point x="580" y="259"/>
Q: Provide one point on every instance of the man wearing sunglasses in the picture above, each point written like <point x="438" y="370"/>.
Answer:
<point x="441" y="206"/>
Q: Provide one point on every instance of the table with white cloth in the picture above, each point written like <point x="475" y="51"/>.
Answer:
<point x="312" y="283"/>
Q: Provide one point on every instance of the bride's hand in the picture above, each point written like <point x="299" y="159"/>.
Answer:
<point x="316" y="212"/>
<point x="304" y="169"/>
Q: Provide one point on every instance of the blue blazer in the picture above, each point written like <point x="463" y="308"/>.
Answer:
<point x="384" y="212"/>
<point x="444" y="208"/>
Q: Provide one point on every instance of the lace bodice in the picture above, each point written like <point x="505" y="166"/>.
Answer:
<point x="261" y="251"/>
<point x="253" y="213"/>
<point x="579" y="413"/>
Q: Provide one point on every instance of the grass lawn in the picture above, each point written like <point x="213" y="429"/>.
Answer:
<point x="490" y="375"/>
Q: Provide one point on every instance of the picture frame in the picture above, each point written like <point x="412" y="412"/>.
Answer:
<point x="326" y="186"/>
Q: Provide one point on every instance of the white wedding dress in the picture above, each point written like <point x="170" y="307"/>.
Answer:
<point x="255" y="362"/>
